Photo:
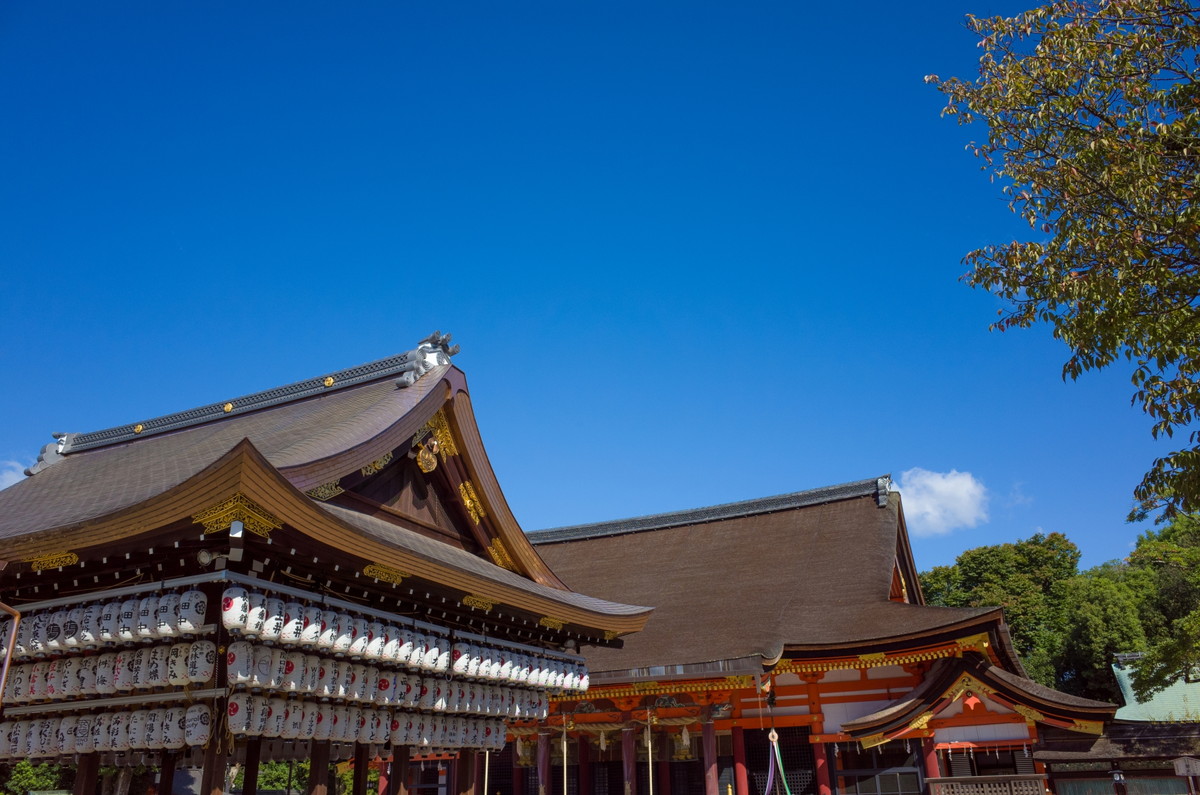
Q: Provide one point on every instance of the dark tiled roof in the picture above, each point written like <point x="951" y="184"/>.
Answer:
<point x="1122" y="740"/>
<point x="810" y="569"/>
<point x="96" y="482"/>
<point x="469" y="563"/>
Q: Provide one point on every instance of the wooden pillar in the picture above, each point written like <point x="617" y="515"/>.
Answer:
<point x="929" y="752"/>
<point x="362" y="764"/>
<point x="166" y="774"/>
<point x="629" y="760"/>
<point x="87" y="773"/>
<point x="741" y="777"/>
<point x="543" y="763"/>
<point x="711" y="777"/>
<point x="519" y="774"/>
<point x="464" y="774"/>
<point x="318" y="771"/>
<point x="584" y="769"/>
<point x="250" y="776"/>
<point x="821" y="759"/>
<point x="212" y="780"/>
<point x="663" y="763"/>
<point x="397" y="783"/>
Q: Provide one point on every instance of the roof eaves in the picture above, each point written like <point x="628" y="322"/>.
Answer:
<point x="877" y="487"/>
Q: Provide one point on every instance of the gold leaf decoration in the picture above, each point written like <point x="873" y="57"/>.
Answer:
<point x="500" y="555"/>
<point x="326" y="491"/>
<point x="478" y="601"/>
<point x="385" y="573"/>
<point x="872" y="741"/>
<point x="876" y="657"/>
<point x="238" y="508"/>
<point x="550" y="623"/>
<point x="611" y="634"/>
<point x="471" y="501"/>
<point x="376" y="465"/>
<point x="1030" y="714"/>
<point x="51" y="560"/>
<point x="426" y="460"/>
<point x="921" y="721"/>
<point x="440" y="429"/>
<point x="328" y="380"/>
<point x="1088" y="726"/>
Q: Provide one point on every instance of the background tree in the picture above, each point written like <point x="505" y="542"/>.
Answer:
<point x="26" y="775"/>
<point x="1093" y="117"/>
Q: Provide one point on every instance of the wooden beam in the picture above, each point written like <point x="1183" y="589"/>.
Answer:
<point x="318" y="771"/>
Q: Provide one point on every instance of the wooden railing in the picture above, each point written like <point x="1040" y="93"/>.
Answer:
<point x="988" y="785"/>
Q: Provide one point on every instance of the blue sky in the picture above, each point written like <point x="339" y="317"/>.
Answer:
<point x="694" y="252"/>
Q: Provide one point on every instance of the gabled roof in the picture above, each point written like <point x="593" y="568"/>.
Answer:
<point x="736" y="586"/>
<point x="951" y="679"/>
<point x="288" y="450"/>
<point x="1178" y="701"/>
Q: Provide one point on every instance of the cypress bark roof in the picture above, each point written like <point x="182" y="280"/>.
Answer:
<point x="738" y="585"/>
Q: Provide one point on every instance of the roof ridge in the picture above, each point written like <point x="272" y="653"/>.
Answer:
<point x="433" y="351"/>
<point x="877" y="487"/>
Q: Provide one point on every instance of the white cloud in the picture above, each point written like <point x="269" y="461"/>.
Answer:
<point x="936" y="503"/>
<point x="10" y="473"/>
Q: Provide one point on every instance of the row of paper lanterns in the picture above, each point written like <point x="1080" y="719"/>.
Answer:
<point x="263" y="716"/>
<point x="144" y="729"/>
<point x="271" y="620"/>
<point x="90" y="626"/>
<point x="124" y="671"/>
<point x="271" y="668"/>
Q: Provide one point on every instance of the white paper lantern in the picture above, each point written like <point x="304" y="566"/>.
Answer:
<point x="110" y="621"/>
<point x="141" y="673"/>
<point x="358" y="636"/>
<point x="167" y="618"/>
<point x="71" y="627"/>
<point x="322" y="722"/>
<point x="294" y="721"/>
<point x="256" y="614"/>
<point x="193" y="606"/>
<point x="277" y="718"/>
<point x="474" y="660"/>
<point x="154" y="729"/>
<point x="385" y="688"/>
<point x="147" y="620"/>
<point x="197" y="724"/>
<point x="84" y="742"/>
<point x="407" y="642"/>
<point x="273" y="623"/>
<point x="235" y="607"/>
<point x="344" y="678"/>
<point x="137" y="729"/>
<point x="313" y="666"/>
<point x="70" y="685"/>
<point x="201" y="664"/>
<point x="24" y="633"/>
<point x="260" y="708"/>
<point x="416" y="657"/>
<point x="331" y="622"/>
<point x="177" y="672"/>
<point x="101" y="737"/>
<point x="428" y="692"/>
<point x="172" y="726"/>
<point x="310" y="631"/>
<point x="89" y="625"/>
<point x="293" y="623"/>
<point x="157" y="673"/>
<point x="341" y="719"/>
<point x="118" y="732"/>
<point x="239" y="662"/>
<point x="366" y="722"/>
<point x="239" y="716"/>
<point x="309" y="728"/>
<point x="391" y="644"/>
<point x="85" y="675"/>
<point x="293" y="671"/>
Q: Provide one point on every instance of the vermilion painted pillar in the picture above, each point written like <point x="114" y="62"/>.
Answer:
<point x="711" y="778"/>
<point x="741" y="778"/>
<point x="584" y="769"/>
<point x="929" y="751"/>
<point x="629" y="760"/>
<point x="543" y="764"/>
<point x="821" y="755"/>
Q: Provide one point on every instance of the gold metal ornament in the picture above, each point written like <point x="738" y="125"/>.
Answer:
<point x="426" y="460"/>
<point x="470" y="500"/>
<point x="500" y="555"/>
<point x="238" y="508"/>
<point x="51" y="560"/>
<point x="377" y="464"/>
<point x="385" y="573"/>
<point x="326" y="491"/>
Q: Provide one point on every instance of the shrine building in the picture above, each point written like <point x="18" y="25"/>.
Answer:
<point x="328" y="570"/>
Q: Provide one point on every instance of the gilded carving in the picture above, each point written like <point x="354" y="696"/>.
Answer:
<point x="376" y="465"/>
<point x="385" y="573"/>
<point x="326" y="491"/>
<point x="471" y="502"/>
<point x="52" y="560"/>
<point x="139" y="428"/>
<point x="328" y="380"/>
<point x="876" y="657"/>
<point x="872" y="741"/>
<point x="441" y="431"/>
<point x="611" y="634"/>
<point x="1088" y="726"/>
<point x="238" y="508"/>
<point x="228" y="407"/>
<point x="920" y="722"/>
<point x="479" y="602"/>
<point x="550" y="623"/>
<point x="967" y="684"/>
<point x="979" y="641"/>
<point x="501" y="557"/>
<point x="426" y="460"/>
<point x="1031" y="715"/>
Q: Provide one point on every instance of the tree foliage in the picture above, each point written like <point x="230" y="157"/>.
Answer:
<point x="1093" y="122"/>
<point x="26" y="775"/>
<point x="1067" y="625"/>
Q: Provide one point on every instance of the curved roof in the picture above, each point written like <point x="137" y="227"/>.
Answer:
<point x="738" y="584"/>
